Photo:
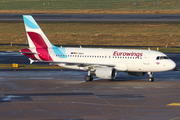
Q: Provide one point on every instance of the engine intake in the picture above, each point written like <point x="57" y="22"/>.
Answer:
<point x="106" y="72"/>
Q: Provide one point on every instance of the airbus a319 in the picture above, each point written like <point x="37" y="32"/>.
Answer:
<point x="104" y="63"/>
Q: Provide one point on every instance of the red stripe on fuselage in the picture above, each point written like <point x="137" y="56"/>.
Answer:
<point x="41" y="46"/>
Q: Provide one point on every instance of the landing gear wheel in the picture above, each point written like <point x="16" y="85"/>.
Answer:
<point x="91" y="78"/>
<point x="151" y="79"/>
<point x="88" y="78"/>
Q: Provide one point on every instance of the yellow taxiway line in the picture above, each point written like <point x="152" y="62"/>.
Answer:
<point x="173" y="104"/>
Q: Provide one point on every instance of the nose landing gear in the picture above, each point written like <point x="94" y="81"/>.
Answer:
<point x="151" y="79"/>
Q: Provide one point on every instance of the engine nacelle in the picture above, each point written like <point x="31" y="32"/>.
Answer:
<point x="137" y="73"/>
<point x="106" y="72"/>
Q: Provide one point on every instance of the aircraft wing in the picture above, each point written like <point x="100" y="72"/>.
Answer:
<point x="80" y="64"/>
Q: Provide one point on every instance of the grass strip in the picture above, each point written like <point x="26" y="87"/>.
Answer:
<point x="90" y="6"/>
<point x="98" y="33"/>
<point x="24" y="66"/>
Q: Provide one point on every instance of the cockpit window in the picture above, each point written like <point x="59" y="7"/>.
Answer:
<point x="162" y="57"/>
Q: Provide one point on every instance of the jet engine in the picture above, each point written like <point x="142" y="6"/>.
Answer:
<point x="106" y="72"/>
<point x="137" y="73"/>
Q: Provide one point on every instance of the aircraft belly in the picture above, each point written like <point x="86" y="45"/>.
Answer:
<point x="68" y="66"/>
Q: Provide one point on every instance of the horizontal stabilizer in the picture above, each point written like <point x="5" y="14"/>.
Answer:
<point x="29" y="53"/>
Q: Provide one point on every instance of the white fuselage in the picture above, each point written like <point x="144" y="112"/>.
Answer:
<point x="121" y="59"/>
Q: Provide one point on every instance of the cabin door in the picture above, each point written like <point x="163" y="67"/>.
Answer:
<point x="146" y="58"/>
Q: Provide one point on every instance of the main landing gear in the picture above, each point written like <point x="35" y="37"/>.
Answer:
<point x="88" y="77"/>
<point x="151" y="79"/>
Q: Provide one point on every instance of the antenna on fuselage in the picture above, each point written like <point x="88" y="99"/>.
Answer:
<point x="166" y="45"/>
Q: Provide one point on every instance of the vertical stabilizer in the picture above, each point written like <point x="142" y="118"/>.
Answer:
<point x="36" y="37"/>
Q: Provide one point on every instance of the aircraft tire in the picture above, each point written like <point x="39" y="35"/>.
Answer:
<point x="91" y="78"/>
<point x="88" y="78"/>
<point x="151" y="79"/>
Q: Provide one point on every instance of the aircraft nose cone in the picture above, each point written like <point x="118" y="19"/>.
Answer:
<point x="172" y="65"/>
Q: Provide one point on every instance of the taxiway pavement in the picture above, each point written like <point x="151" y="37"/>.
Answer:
<point x="63" y="95"/>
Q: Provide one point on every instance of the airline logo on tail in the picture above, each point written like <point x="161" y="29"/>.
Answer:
<point x="40" y="48"/>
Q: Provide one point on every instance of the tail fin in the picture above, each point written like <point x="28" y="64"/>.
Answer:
<point x="36" y="37"/>
<point x="40" y="48"/>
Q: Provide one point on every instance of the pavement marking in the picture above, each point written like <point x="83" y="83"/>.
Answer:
<point x="48" y="78"/>
<point x="175" y="118"/>
<point x="173" y="104"/>
<point x="97" y="79"/>
<point x="138" y="87"/>
<point x="81" y="81"/>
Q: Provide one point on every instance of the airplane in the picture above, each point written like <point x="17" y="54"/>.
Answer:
<point x="104" y="63"/>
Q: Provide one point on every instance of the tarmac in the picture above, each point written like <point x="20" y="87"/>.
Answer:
<point x="64" y="95"/>
<point x="96" y="17"/>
